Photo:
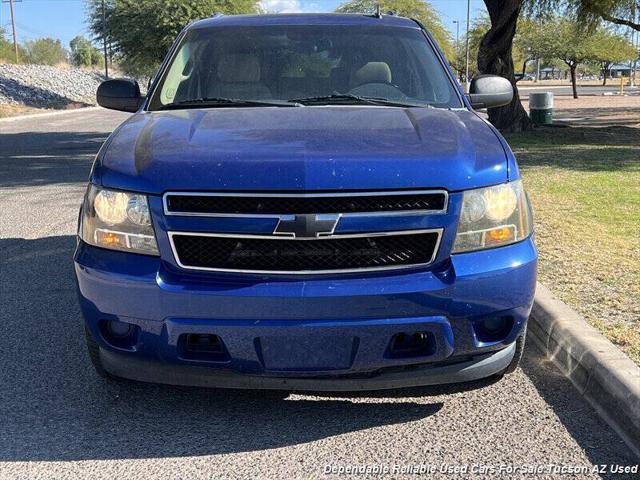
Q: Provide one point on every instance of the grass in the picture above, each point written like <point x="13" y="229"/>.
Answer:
<point x="584" y="183"/>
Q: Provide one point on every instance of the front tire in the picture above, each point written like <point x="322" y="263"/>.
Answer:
<point x="520" y="341"/>
<point x="94" y="355"/>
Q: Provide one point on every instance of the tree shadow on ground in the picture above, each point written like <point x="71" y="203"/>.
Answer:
<point x="54" y="407"/>
<point x="591" y="149"/>
<point x="44" y="158"/>
<point x="601" y="117"/>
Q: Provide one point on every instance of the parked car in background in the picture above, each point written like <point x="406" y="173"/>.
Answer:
<point x="305" y="202"/>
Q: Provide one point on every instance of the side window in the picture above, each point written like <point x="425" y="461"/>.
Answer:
<point x="181" y="70"/>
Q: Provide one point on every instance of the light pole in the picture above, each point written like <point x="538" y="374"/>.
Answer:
<point x="457" y="22"/>
<point x="466" y="61"/>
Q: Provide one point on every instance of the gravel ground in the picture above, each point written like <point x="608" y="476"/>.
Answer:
<point x="59" y="420"/>
<point x="43" y="86"/>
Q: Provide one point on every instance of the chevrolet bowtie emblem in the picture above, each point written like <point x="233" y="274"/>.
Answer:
<point x="307" y="226"/>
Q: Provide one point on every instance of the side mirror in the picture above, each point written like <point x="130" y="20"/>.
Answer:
<point x="119" y="94"/>
<point x="489" y="91"/>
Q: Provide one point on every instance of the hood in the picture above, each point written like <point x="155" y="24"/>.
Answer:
<point x="302" y="149"/>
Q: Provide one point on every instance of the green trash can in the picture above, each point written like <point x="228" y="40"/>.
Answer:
<point x="541" y="108"/>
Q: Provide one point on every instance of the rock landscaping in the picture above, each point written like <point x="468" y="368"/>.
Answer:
<point x="42" y="86"/>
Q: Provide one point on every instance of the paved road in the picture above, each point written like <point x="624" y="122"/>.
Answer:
<point x="57" y="419"/>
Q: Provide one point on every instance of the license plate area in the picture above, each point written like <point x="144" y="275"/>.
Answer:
<point x="306" y="353"/>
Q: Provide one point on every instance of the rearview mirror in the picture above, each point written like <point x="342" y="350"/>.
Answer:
<point x="490" y="91"/>
<point x="120" y="94"/>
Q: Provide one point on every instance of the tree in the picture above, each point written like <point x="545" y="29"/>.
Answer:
<point x="567" y="40"/>
<point x="590" y="12"/>
<point x="421" y="10"/>
<point x="477" y="31"/>
<point x="495" y="57"/>
<point x="141" y="32"/>
<point x="7" y="52"/>
<point x="495" y="54"/>
<point x="620" y="12"/>
<point x="6" y="48"/>
<point x="45" y="51"/>
<point x="609" y="49"/>
<point x="530" y="42"/>
<point x="84" y="53"/>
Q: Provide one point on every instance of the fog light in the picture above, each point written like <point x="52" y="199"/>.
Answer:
<point x="493" y="325"/>
<point x="119" y="329"/>
<point x="493" y="329"/>
<point x="120" y="334"/>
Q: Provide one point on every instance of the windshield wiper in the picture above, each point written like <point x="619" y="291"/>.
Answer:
<point x="350" y="99"/>
<point x="228" y="102"/>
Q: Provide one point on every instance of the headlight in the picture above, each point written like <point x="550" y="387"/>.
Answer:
<point x="117" y="220"/>
<point x="492" y="217"/>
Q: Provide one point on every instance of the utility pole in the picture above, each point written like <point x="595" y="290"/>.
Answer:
<point x="104" y="41"/>
<point x="457" y="22"/>
<point x="466" y="62"/>
<point x="13" y="26"/>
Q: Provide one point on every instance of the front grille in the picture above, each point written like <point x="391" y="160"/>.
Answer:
<point x="212" y="204"/>
<point x="291" y="256"/>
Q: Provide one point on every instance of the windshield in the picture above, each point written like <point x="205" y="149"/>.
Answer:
<point x="304" y="65"/>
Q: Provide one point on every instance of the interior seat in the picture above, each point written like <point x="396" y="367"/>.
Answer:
<point x="372" y="72"/>
<point x="238" y="76"/>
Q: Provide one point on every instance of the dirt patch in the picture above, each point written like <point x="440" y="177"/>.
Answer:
<point x="15" y="110"/>
<point x="11" y="110"/>
<point x="597" y="111"/>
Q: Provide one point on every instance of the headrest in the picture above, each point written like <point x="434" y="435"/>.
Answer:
<point x="373" y="72"/>
<point x="237" y="68"/>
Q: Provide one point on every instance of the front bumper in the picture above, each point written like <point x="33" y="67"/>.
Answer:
<point x="321" y="333"/>
<point x="415" y="376"/>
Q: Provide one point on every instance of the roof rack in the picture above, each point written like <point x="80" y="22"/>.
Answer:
<point x="216" y="14"/>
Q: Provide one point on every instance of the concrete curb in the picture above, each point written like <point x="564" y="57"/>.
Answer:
<point x="47" y="114"/>
<point x="603" y="375"/>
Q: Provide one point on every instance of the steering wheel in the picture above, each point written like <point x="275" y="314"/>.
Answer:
<point x="379" y="89"/>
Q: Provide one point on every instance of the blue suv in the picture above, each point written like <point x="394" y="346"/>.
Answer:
<point x="305" y="202"/>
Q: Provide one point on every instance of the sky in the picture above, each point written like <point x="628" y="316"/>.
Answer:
<point x="64" y="19"/>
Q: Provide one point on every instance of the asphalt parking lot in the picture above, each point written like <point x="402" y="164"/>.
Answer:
<point x="58" y="419"/>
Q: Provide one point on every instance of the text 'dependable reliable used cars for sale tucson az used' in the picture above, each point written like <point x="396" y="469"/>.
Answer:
<point x="305" y="202"/>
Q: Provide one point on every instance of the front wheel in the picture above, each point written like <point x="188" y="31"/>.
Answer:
<point x="94" y="354"/>
<point x="520" y="341"/>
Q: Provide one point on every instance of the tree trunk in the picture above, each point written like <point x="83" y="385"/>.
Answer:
<point x="572" y="69"/>
<point x="524" y="68"/>
<point x="494" y="57"/>
<point x="605" y="74"/>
